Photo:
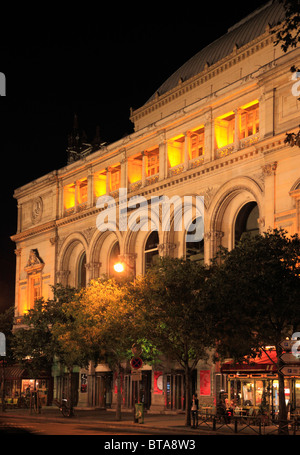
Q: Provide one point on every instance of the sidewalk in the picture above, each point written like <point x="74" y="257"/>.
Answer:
<point x="168" y="424"/>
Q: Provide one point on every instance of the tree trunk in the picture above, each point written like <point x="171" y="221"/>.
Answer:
<point x="69" y="397"/>
<point x="119" y="394"/>
<point x="283" y="428"/>
<point x="187" y="396"/>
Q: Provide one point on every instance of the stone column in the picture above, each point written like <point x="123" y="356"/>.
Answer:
<point x="162" y="156"/>
<point x="236" y="129"/>
<point x="186" y="149"/>
<point x="269" y="172"/>
<point x="107" y="180"/>
<point x="208" y="137"/>
<point x="90" y="183"/>
<point x="212" y="242"/>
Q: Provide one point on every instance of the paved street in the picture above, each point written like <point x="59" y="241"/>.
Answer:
<point x="99" y="422"/>
<point x="94" y="422"/>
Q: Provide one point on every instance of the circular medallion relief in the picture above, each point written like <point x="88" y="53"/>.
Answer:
<point x="37" y="209"/>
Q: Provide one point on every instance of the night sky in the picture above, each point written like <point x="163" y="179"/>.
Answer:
<point x="91" y="60"/>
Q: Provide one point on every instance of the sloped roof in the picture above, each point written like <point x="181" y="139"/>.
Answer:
<point x="241" y="33"/>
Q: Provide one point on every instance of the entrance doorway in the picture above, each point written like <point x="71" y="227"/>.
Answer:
<point x="137" y="391"/>
<point x="104" y="390"/>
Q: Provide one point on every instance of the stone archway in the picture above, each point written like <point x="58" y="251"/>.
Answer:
<point x="73" y="253"/>
<point x="224" y="210"/>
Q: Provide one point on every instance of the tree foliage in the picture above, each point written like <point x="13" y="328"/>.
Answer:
<point x="171" y="301"/>
<point x="254" y="297"/>
<point x="288" y="35"/>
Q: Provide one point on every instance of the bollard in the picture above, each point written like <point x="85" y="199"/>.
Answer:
<point x="235" y="425"/>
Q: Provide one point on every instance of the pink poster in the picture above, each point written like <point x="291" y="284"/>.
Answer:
<point x="158" y="382"/>
<point x="205" y="388"/>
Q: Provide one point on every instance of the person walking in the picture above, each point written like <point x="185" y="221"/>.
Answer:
<point x="194" y="411"/>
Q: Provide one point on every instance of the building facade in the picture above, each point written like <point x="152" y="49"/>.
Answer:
<point x="216" y="128"/>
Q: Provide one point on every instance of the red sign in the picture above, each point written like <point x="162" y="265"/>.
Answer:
<point x="158" y="383"/>
<point x="136" y="363"/>
<point x="205" y="385"/>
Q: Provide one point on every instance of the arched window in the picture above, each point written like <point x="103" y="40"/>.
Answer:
<point x="246" y="221"/>
<point x="151" y="249"/>
<point x="82" y="271"/>
<point x="194" y="241"/>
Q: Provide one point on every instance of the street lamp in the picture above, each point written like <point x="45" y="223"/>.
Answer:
<point x="124" y="263"/>
<point x="119" y="267"/>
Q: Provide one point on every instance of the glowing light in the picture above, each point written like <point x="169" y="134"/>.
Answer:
<point x="119" y="267"/>
<point x="100" y="184"/>
<point x="82" y="191"/>
<point x="69" y="196"/>
<point x="176" y="151"/>
<point x="224" y="130"/>
<point x="135" y="169"/>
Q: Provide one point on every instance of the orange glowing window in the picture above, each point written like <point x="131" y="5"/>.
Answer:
<point x="249" y="119"/>
<point x="69" y="196"/>
<point x="35" y="289"/>
<point x="224" y="130"/>
<point x="100" y="184"/>
<point x="196" y="143"/>
<point x="176" y="151"/>
<point x="115" y="178"/>
<point x="134" y="169"/>
<point x="82" y="191"/>
<point x="152" y="162"/>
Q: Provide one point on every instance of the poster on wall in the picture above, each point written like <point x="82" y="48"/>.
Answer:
<point x="205" y="388"/>
<point x="158" y="382"/>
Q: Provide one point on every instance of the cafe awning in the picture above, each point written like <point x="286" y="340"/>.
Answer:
<point x="263" y="363"/>
<point x="14" y="372"/>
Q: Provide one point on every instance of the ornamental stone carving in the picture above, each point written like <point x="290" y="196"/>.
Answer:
<point x="37" y="210"/>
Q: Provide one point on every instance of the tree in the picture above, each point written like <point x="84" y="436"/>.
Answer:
<point x="109" y="326"/>
<point x="6" y="323"/>
<point x="288" y="36"/>
<point x="254" y="298"/>
<point x="50" y="334"/>
<point x="171" y="300"/>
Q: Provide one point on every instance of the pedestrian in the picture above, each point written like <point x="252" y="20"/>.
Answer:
<point x="194" y="410"/>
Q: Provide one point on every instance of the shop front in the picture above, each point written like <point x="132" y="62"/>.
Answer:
<point x="256" y="386"/>
<point x="18" y="386"/>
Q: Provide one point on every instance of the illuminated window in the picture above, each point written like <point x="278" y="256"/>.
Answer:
<point x="152" y="162"/>
<point x="69" y="196"/>
<point x="35" y="289"/>
<point x="135" y="165"/>
<point x="115" y="178"/>
<point x="197" y="143"/>
<point x="249" y="120"/>
<point x="176" y="151"/>
<point x="224" y="130"/>
<point x="100" y="184"/>
<point x="82" y="191"/>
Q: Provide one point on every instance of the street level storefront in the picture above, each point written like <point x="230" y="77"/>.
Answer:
<point x="19" y="385"/>
<point x="255" y="385"/>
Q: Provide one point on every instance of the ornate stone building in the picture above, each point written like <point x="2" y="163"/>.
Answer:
<point x="216" y="128"/>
